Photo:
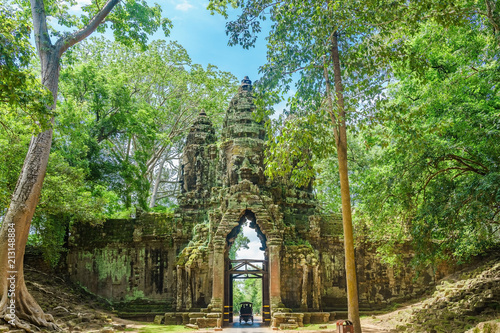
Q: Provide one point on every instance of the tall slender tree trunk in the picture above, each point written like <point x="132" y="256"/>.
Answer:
<point x="339" y="125"/>
<point x="16" y="302"/>
<point x="154" y="195"/>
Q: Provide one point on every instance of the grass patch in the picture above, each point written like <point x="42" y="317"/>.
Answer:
<point x="151" y="328"/>
<point x="315" y="327"/>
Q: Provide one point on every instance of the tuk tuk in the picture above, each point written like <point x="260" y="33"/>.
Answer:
<point x="246" y="312"/>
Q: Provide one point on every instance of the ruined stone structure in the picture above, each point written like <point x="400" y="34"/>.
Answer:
<point x="179" y="264"/>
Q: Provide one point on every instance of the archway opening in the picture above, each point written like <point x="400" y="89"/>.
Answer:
<point x="246" y="278"/>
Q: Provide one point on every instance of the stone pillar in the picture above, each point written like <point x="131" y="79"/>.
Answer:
<point x="180" y="290"/>
<point x="274" y="246"/>
<point x="305" y="275"/>
<point x="189" y="291"/>
<point x="316" y="288"/>
<point x="218" y="275"/>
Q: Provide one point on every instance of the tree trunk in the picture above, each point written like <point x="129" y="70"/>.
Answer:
<point x="341" y="142"/>
<point x="16" y="302"/>
<point x="154" y="195"/>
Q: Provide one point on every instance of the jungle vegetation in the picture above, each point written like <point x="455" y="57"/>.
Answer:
<point x="406" y="92"/>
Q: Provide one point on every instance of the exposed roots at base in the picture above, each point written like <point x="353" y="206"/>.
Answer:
<point x="28" y="314"/>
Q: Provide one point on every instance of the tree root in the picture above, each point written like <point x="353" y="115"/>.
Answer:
<point x="28" y="314"/>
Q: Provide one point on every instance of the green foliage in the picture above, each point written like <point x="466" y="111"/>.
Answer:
<point x="248" y="290"/>
<point x="65" y="200"/>
<point x="298" y="242"/>
<point x="21" y="93"/>
<point x="241" y="242"/>
<point x="14" y="141"/>
<point x="438" y="173"/>
<point x="300" y="141"/>
<point x="125" y="111"/>
<point x="427" y="170"/>
<point x="131" y="21"/>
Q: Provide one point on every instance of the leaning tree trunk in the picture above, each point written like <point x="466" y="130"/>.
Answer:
<point x="340" y="132"/>
<point x="16" y="303"/>
<point x="15" y="299"/>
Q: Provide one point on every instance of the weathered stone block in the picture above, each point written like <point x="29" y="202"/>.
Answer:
<point x="206" y="322"/>
<point x="196" y="315"/>
<point x="320" y="317"/>
<point x="307" y="318"/>
<point x="159" y="319"/>
<point x="288" y="326"/>
<point x="280" y="318"/>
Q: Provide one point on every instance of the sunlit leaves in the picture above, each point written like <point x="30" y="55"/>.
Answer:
<point x="134" y="108"/>
<point x="21" y="93"/>
<point x="438" y="169"/>
<point x="299" y="142"/>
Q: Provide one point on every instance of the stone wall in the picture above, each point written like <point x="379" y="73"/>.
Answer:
<point x="129" y="262"/>
<point x="152" y="264"/>
<point x="317" y="266"/>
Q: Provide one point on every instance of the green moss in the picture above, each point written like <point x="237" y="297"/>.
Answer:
<point x="86" y="257"/>
<point x="193" y="252"/>
<point x="136" y="294"/>
<point x="298" y="242"/>
<point x="111" y="263"/>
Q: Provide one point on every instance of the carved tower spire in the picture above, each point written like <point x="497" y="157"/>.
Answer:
<point x="242" y="140"/>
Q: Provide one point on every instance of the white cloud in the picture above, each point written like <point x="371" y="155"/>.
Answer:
<point x="78" y="7"/>
<point x="184" y="6"/>
<point x="254" y="251"/>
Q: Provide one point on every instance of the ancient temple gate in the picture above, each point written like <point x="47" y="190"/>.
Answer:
<point x="246" y="268"/>
<point x="178" y="266"/>
<point x="249" y="269"/>
<point x="222" y="187"/>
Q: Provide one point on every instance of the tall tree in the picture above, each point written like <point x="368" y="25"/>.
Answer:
<point x="136" y="107"/>
<point x="427" y="151"/>
<point x="131" y="21"/>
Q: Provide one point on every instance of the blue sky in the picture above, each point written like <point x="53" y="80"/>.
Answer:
<point x="204" y="37"/>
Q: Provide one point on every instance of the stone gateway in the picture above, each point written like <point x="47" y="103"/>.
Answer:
<point x="179" y="265"/>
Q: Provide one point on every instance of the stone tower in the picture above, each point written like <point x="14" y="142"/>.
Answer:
<point x="237" y="191"/>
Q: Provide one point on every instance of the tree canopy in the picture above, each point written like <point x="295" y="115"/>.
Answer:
<point x="421" y="95"/>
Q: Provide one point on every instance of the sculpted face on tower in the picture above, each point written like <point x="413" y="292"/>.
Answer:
<point x="242" y="139"/>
